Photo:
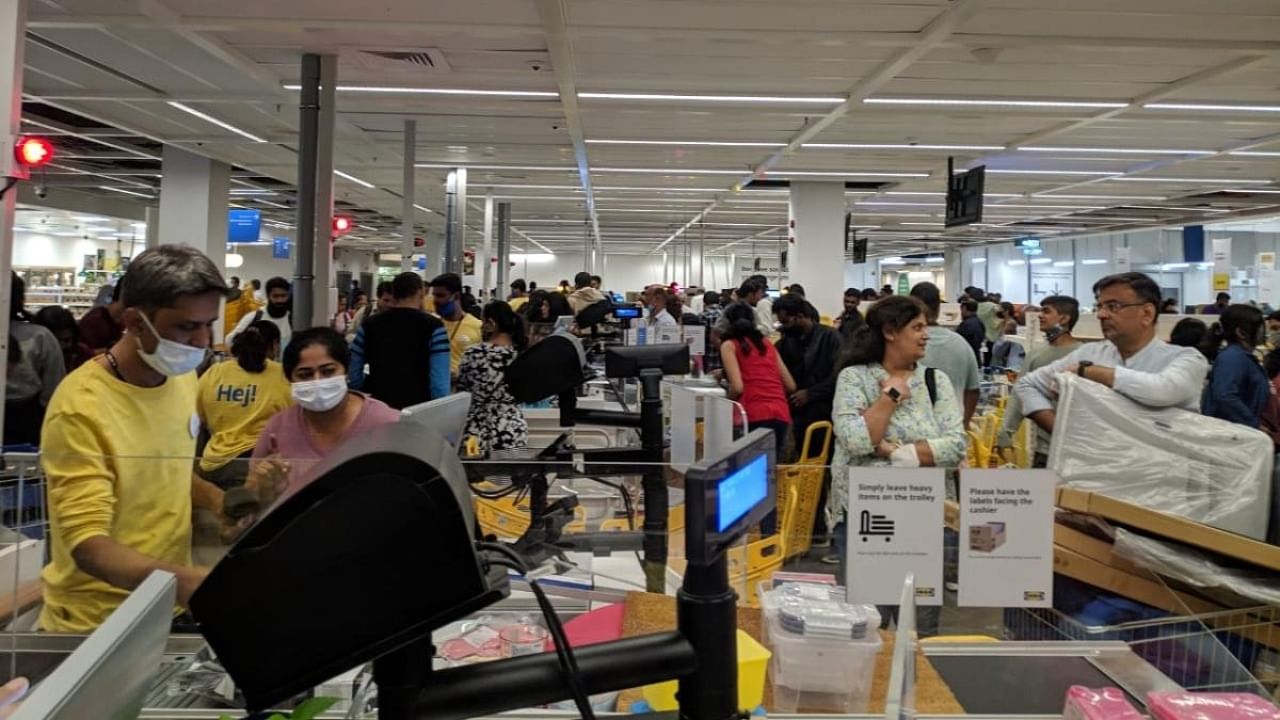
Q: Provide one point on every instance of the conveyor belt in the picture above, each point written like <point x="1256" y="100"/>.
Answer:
<point x="1016" y="684"/>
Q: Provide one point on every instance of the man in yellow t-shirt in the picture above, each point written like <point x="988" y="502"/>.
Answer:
<point x="463" y="329"/>
<point x="519" y="297"/>
<point x="117" y="443"/>
<point x="235" y="400"/>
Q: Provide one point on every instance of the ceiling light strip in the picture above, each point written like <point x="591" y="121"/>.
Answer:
<point x="215" y="121"/>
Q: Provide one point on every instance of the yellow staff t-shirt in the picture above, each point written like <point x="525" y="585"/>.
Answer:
<point x="117" y="463"/>
<point x="235" y="405"/>
<point x="462" y="335"/>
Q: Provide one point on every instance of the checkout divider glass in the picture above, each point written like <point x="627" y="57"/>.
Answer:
<point x="1019" y="664"/>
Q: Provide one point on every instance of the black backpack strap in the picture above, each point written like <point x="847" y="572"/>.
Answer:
<point x="256" y="317"/>
<point x="931" y="383"/>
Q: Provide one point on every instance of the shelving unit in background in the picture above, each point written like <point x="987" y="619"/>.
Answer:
<point x="56" y="285"/>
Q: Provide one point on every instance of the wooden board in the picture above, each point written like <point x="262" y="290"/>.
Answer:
<point x="648" y="612"/>
<point x="1172" y="527"/>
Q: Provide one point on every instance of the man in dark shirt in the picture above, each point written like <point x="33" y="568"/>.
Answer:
<point x="851" y="319"/>
<point x="100" y="328"/>
<point x="971" y="328"/>
<point x="711" y="312"/>
<point x="406" y="350"/>
<point x="811" y="352"/>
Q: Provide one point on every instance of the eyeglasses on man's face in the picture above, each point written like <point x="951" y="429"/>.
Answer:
<point x="1112" y="307"/>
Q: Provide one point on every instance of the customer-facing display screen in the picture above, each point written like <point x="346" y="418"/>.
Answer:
<point x="741" y="491"/>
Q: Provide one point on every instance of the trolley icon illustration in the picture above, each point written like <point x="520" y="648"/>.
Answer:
<point x="870" y="525"/>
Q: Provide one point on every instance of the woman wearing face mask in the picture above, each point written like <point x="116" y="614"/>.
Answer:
<point x="324" y="416"/>
<point x="495" y="418"/>
<point x="236" y="399"/>
<point x="1237" y="390"/>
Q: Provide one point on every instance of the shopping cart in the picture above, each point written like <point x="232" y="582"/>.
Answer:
<point x="1226" y="651"/>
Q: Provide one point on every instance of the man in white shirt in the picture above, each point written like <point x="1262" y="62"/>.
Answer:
<point x="656" y="301"/>
<point x="279" y="311"/>
<point x="1130" y="361"/>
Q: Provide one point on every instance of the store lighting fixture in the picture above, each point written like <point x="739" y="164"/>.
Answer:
<point x="1016" y="263"/>
<point x="1116" y="151"/>
<point x="934" y="260"/>
<point x="1209" y="181"/>
<point x="975" y="261"/>
<point x="354" y="179"/>
<point x="423" y="208"/>
<point x="139" y="226"/>
<point x="893" y="261"/>
<point x="1094" y="261"/>
<point x="1252" y="191"/>
<point x="251" y="191"/>
<point x="526" y="168"/>
<point x="1215" y="107"/>
<point x="122" y="191"/>
<point x="898" y="146"/>
<point x="1055" y="196"/>
<point x="673" y="97"/>
<point x="1041" y="261"/>
<point x="215" y="121"/>
<point x="811" y="173"/>
<point x="1254" y="153"/>
<point x="1175" y="266"/>
<point x="234" y="260"/>
<point x="268" y="203"/>
<point x="1002" y="206"/>
<point x="923" y="224"/>
<point x="1064" y="263"/>
<point x="902" y="203"/>
<point x="687" y="143"/>
<point x="391" y="90"/>
<point x="995" y="102"/>
<point x="1088" y="173"/>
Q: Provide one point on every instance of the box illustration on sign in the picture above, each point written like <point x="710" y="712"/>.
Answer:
<point x="987" y="536"/>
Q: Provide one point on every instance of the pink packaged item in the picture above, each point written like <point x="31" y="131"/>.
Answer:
<point x="1182" y="705"/>
<point x="1098" y="704"/>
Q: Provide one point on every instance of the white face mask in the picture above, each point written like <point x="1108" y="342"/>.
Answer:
<point x="170" y="358"/>
<point x="320" y="395"/>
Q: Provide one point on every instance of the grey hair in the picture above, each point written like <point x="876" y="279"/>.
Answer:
<point x="160" y="275"/>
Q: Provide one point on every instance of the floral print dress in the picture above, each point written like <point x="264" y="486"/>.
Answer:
<point x="857" y="388"/>
<point x="495" y="418"/>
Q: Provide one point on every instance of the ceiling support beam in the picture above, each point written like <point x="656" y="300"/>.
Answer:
<point x="560" y="46"/>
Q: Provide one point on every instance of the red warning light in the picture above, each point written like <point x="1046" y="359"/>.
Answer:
<point x="34" y="152"/>
<point x="341" y="224"/>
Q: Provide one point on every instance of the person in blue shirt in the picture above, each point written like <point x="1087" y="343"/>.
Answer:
<point x="401" y="355"/>
<point x="1238" y="389"/>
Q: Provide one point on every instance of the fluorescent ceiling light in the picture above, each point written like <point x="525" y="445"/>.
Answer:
<point x="1055" y="196"/>
<point x="978" y="260"/>
<point x="1094" y="261"/>
<point x="1041" y="261"/>
<point x="251" y="191"/>
<point x="810" y="173"/>
<point x="1252" y="191"/>
<point x="210" y="119"/>
<point x="139" y="226"/>
<point x="1212" y="107"/>
<point x="893" y="261"/>
<point x="468" y="166"/>
<point x="1002" y="206"/>
<point x="1254" y="153"/>
<point x="126" y="192"/>
<point x="1093" y="173"/>
<point x="1212" y="181"/>
<point x="934" y="259"/>
<point x="268" y="203"/>
<point x="922" y="224"/>
<point x="694" y="143"/>
<point x="1016" y="263"/>
<point x="891" y="203"/>
<point x="423" y="209"/>
<point x="774" y="99"/>
<point x="1175" y="266"/>
<point x="995" y="102"/>
<point x="1119" y="151"/>
<point x="390" y="90"/>
<point x="896" y="146"/>
<point x="353" y="179"/>
<point x="1063" y="263"/>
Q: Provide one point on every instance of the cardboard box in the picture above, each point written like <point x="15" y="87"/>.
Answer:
<point x="987" y="536"/>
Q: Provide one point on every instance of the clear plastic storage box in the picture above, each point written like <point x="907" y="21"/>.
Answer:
<point x="824" y="650"/>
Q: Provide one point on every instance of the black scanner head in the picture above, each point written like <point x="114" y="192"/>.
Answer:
<point x="375" y="552"/>
<point x="554" y="365"/>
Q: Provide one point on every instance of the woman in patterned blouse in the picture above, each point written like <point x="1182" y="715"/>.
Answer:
<point x="883" y="413"/>
<point x="495" y="418"/>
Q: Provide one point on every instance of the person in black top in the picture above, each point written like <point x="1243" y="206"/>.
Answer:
<point x="811" y="352"/>
<point x="971" y="328"/>
<point x="850" y="320"/>
<point x="406" y="350"/>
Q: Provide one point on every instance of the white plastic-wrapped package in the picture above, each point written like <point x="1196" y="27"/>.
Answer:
<point x="1179" y="462"/>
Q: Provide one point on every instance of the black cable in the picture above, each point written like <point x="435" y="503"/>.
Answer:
<point x="8" y="185"/>
<point x="627" y="506"/>
<point x="568" y="663"/>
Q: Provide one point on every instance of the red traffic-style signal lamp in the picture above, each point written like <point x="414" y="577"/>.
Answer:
<point x="33" y="152"/>
<point x="342" y="224"/>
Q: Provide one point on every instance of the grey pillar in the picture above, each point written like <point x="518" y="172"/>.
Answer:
<point x="13" y="26"/>
<point x="326" y="291"/>
<point x="152" y="218"/>
<point x="408" y="213"/>
<point x="460" y="216"/>
<point x="450" y="221"/>
<point x="504" y="246"/>
<point x="308" y="137"/>
<point x="482" y="259"/>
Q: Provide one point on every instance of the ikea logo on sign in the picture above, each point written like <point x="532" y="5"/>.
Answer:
<point x="242" y="396"/>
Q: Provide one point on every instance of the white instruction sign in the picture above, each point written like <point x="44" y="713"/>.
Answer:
<point x="894" y="528"/>
<point x="1006" y="538"/>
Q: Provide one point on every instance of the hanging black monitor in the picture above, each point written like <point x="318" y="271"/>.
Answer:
<point x="964" y="195"/>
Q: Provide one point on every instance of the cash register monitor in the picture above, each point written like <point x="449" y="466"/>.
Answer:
<point x="109" y="675"/>
<point x="447" y="415"/>
<point x="726" y="495"/>
<point x="627" y="362"/>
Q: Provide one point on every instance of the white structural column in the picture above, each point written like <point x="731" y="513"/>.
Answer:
<point x="816" y="258"/>
<point x="193" y="206"/>
<point x="13" y="26"/>
<point x="483" y="258"/>
<point x="952" y="274"/>
<point x="153" y="225"/>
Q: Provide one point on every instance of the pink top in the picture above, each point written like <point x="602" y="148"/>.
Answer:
<point x="293" y="442"/>
<point x="763" y="395"/>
